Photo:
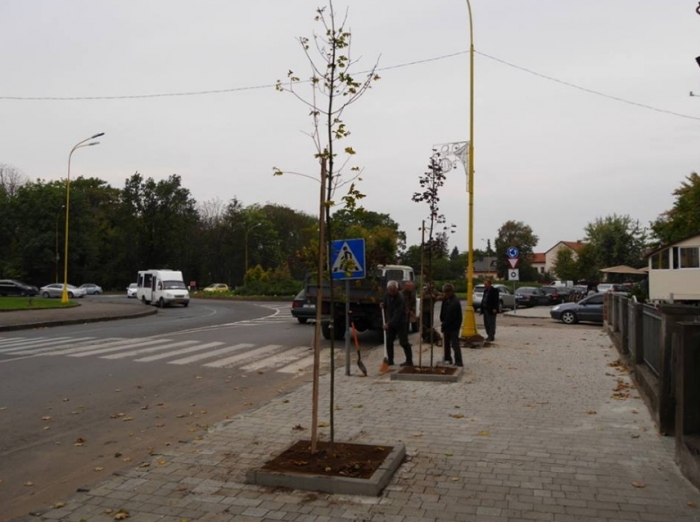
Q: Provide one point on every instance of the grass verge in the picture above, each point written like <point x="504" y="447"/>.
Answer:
<point x="9" y="304"/>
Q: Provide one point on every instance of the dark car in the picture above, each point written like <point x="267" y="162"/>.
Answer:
<point x="13" y="287"/>
<point x="529" y="296"/>
<point x="554" y="293"/>
<point x="589" y="309"/>
<point x="303" y="310"/>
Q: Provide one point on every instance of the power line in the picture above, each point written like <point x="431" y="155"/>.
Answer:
<point x="387" y="68"/>
<point x="585" y="89"/>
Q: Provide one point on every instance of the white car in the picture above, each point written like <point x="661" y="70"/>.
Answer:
<point x="56" y="290"/>
<point x="131" y="290"/>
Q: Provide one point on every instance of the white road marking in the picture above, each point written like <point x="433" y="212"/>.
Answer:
<point x="89" y="341"/>
<point x="179" y="352"/>
<point x="118" y="348"/>
<point x="208" y="355"/>
<point x="278" y="360"/>
<point x="30" y="343"/>
<point x="304" y="363"/>
<point x="122" y="355"/>
<point x="253" y="354"/>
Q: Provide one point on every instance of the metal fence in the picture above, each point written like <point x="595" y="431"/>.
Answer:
<point x="651" y="338"/>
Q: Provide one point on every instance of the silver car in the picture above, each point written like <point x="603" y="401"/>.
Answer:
<point x="56" y="290"/>
<point x="506" y="297"/>
<point x="131" y="290"/>
<point x="92" y="288"/>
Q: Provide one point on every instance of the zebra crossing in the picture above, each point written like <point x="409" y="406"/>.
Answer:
<point x="247" y="357"/>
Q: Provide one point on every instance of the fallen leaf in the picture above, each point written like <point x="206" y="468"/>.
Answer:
<point x="198" y="377"/>
<point x="122" y="514"/>
<point x="448" y="454"/>
<point x="323" y="424"/>
<point x="144" y="407"/>
<point x="145" y="465"/>
<point x="691" y="504"/>
<point x="203" y="412"/>
<point x="59" y="505"/>
<point x="457" y="416"/>
<point x="46" y="418"/>
<point x="162" y="462"/>
<point x="298" y="427"/>
<point x="591" y="412"/>
<point x="484" y="434"/>
<point x="46" y="428"/>
<point x="66" y="399"/>
<point x="126" y="459"/>
<point x="117" y="390"/>
<point x="639" y="484"/>
<point x="357" y="405"/>
<point x="454" y="479"/>
<point x="29" y="484"/>
<point x="127" y="419"/>
<point x="160" y="425"/>
<point x="99" y="468"/>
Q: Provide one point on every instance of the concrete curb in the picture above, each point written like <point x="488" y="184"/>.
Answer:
<point x="372" y="486"/>
<point x="64" y="322"/>
<point x="396" y="376"/>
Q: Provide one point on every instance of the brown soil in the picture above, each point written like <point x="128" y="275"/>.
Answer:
<point x="427" y="370"/>
<point x="346" y="460"/>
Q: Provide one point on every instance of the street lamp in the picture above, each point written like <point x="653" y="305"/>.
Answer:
<point x="247" y="231"/>
<point x="56" y="251"/>
<point x="80" y="144"/>
<point x="469" y="324"/>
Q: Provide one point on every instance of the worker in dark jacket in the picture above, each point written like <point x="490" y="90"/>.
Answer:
<point x="396" y="324"/>
<point x="451" y="319"/>
<point x="489" y="307"/>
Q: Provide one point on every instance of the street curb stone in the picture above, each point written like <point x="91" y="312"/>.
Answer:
<point x="372" y="486"/>
<point x="397" y="376"/>
<point x="84" y="320"/>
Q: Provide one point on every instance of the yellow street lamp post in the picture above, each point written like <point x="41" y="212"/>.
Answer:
<point x="247" y="231"/>
<point x="469" y="324"/>
<point x="64" y="295"/>
<point x="56" y="251"/>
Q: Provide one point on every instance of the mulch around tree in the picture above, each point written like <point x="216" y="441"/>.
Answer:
<point x="427" y="370"/>
<point x="346" y="460"/>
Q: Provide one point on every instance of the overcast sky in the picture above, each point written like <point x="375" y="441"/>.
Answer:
<point x="546" y="154"/>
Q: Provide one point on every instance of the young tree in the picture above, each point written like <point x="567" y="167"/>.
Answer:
<point x="516" y="234"/>
<point x="333" y="88"/>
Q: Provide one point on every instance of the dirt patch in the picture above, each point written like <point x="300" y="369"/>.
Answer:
<point x="427" y="370"/>
<point x="346" y="460"/>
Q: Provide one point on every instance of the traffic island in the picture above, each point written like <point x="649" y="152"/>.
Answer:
<point x="350" y="469"/>
<point x="428" y="373"/>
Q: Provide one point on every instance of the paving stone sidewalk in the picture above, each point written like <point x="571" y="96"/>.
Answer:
<point x="530" y="433"/>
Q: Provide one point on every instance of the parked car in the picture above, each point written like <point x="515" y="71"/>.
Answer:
<point x="131" y="290"/>
<point x="611" y="287"/>
<point x="12" y="287"/>
<point x="56" y="290"/>
<point x="91" y="288"/>
<point x="301" y="309"/>
<point x="217" y="287"/>
<point x="507" y="299"/>
<point x="554" y="293"/>
<point x="589" y="309"/>
<point x="530" y="296"/>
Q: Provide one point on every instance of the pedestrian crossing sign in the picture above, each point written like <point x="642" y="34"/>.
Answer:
<point x="348" y="259"/>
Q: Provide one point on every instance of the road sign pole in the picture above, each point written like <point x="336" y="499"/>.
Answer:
<point x="347" y="327"/>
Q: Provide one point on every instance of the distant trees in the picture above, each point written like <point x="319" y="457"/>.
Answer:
<point x="683" y="219"/>
<point x="616" y="240"/>
<point x="516" y="234"/>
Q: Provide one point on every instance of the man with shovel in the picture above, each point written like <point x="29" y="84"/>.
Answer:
<point x="396" y="323"/>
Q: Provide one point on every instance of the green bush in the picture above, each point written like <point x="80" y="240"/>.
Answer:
<point x="288" y="287"/>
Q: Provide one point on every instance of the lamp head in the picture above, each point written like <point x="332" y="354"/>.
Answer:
<point x="93" y="143"/>
<point x="97" y="135"/>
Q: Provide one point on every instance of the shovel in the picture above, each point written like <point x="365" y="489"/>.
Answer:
<point x="360" y="364"/>
<point x="385" y="362"/>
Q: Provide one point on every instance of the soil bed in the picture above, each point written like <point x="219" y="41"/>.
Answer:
<point x="347" y="460"/>
<point x="427" y="370"/>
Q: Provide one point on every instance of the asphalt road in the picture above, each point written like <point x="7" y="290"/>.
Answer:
<point x="79" y="402"/>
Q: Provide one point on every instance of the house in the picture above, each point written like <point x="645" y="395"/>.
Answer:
<point x="551" y="254"/>
<point x="539" y="262"/>
<point x="485" y="267"/>
<point x="674" y="271"/>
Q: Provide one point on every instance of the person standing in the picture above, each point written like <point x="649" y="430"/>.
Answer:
<point x="396" y="324"/>
<point x="489" y="307"/>
<point x="451" y="320"/>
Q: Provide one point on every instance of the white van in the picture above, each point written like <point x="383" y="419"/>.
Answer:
<point x="162" y="288"/>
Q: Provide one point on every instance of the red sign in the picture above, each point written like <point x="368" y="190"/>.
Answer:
<point x="513" y="262"/>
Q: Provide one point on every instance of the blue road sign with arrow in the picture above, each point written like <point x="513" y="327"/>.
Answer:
<point x="513" y="253"/>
